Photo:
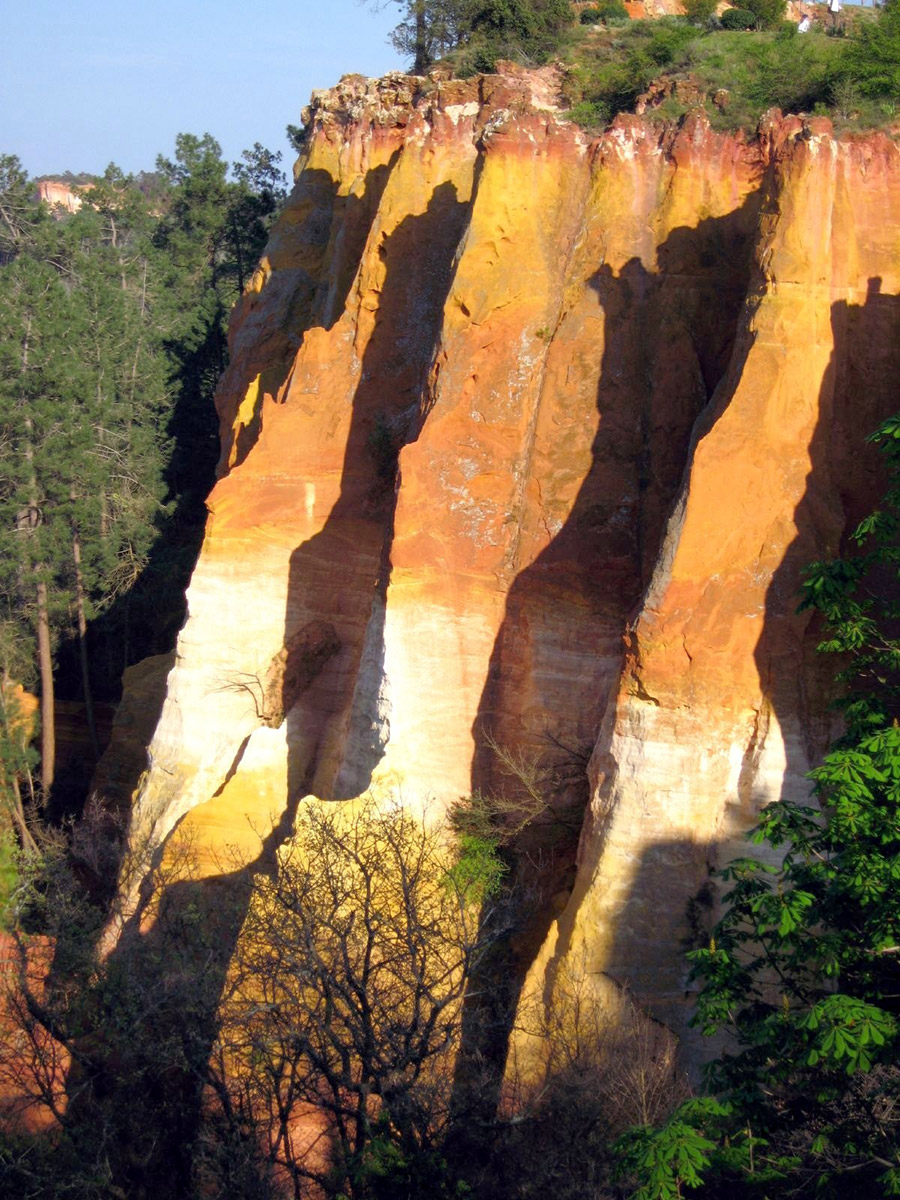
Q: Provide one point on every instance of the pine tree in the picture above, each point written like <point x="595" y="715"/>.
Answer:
<point x="39" y="383"/>
<point x="112" y="340"/>
<point x="83" y="404"/>
<point x="20" y="217"/>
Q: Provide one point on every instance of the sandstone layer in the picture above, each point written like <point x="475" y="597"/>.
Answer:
<point x="526" y="438"/>
<point x="58" y="195"/>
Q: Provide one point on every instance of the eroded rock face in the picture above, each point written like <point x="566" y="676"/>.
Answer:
<point x="58" y="195"/>
<point x="525" y="440"/>
<point x="721" y="705"/>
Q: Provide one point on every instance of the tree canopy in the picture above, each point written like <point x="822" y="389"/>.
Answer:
<point x="112" y="339"/>
<point x="430" y="29"/>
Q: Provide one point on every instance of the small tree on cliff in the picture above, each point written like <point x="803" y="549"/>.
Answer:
<point x="428" y="29"/>
<point x="768" y="13"/>
<point x="432" y="28"/>
<point x="804" y="967"/>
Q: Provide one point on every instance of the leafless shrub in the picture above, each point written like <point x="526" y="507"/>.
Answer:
<point x="79" y="1028"/>
<point x="603" y="1067"/>
<point x="342" y="1014"/>
<point x="529" y="801"/>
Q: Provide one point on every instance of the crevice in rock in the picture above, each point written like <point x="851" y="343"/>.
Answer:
<point x="329" y="245"/>
<point x="232" y="770"/>
<point x="337" y="733"/>
<point x="669" y="337"/>
<point x="858" y="389"/>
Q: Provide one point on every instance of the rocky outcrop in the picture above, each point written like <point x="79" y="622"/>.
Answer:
<point x="526" y="438"/>
<point x="721" y="705"/>
<point x="58" y="195"/>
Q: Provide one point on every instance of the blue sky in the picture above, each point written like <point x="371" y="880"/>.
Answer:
<point x="89" y="82"/>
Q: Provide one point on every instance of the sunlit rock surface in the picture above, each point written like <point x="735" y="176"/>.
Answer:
<point x="58" y="195"/>
<point x="526" y="438"/>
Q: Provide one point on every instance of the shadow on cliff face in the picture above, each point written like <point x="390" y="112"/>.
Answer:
<point x="140" y="1062"/>
<point x="338" y="722"/>
<point x="335" y="232"/>
<point x="858" y="391"/>
<point x="147" y="1090"/>
<point x="670" y="904"/>
<point x="144" y="620"/>
<point x="668" y="339"/>
<point x="142" y="625"/>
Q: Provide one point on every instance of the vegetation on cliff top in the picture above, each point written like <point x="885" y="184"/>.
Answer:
<point x="736" y="76"/>
<point x="482" y="29"/>
<point x="736" y="66"/>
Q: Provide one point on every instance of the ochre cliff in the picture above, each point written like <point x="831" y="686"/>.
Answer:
<point x="58" y="195"/>
<point x="526" y="438"/>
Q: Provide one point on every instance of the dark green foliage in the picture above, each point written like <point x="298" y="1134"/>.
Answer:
<point x="607" y="83"/>
<point x="854" y="595"/>
<point x="757" y="71"/>
<point x="429" y="29"/>
<point x="698" y="12"/>
<point x="210" y="238"/>
<point x="525" y="19"/>
<point x="518" y="28"/>
<point x="738" y="19"/>
<point x="607" y="72"/>
<point x="20" y="217"/>
<point x="788" y="73"/>
<point x="768" y="13"/>
<point x="478" y="32"/>
<point x="613" y="12"/>
<point x="83" y="410"/>
<point x="803" y="968"/>
<point x="112" y="339"/>
<point x="660" y="1161"/>
<point x="873" y="57"/>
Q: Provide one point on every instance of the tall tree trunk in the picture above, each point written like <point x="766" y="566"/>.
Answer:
<point x="12" y="768"/>
<point x="29" y="845"/>
<point x="422" y="56"/>
<point x="82" y="645"/>
<point x="237" y="253"/>
<point x="32" y="519"/>
<point x="48" y="713"/>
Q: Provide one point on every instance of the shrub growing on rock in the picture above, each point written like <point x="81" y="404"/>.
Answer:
<point x="768" y="13"/>
<point x="612" y="12"/>
<point x="698" y="12"/>
<point x="738" y="19"/>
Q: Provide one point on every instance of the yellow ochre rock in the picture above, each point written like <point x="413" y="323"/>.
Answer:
<point x="525" y="439"/>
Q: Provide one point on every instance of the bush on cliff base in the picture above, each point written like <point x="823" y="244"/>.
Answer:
<point x="698" y="12"/>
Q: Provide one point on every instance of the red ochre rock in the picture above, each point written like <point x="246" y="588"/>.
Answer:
<point x="535" y="433"/>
